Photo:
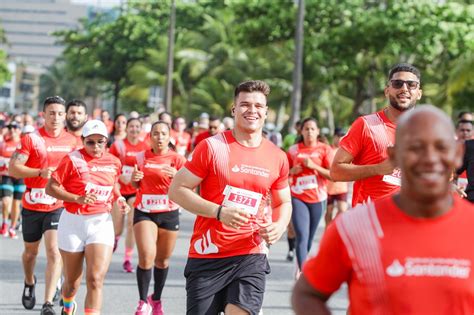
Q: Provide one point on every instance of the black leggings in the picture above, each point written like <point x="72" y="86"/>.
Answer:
<point x="305" y="219"/>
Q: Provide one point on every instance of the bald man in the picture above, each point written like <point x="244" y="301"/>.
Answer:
<point x="409" y="253"/>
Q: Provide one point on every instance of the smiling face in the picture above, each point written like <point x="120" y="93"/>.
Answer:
<point x="426" y="153"/>
<point x="404" y="97"/>
<point x="250" y="111"/>
<point x="134" y="127"/>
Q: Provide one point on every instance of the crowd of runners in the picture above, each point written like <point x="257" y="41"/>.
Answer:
<point x="82" y="182"/>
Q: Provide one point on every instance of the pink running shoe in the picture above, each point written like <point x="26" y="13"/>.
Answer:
<point x="143" y="308"/>
<point x="155" y="305"/>
<point x="12" y="233"/>
<point x="4" y="230"/>
<point x="127" y="266"/>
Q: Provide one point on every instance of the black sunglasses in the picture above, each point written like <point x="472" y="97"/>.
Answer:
<point x="91" y="143"/>
<point x="398" y="84"/>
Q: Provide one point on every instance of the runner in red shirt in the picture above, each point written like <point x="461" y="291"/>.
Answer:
<point x="463" y="133"/>
<point x="86" y="180"/>
<point x="11" y="187"/>
<point x="156" y="218"/>
<point x="410" y="253"/>
<point x="179" y="137"/>
<point x="233" y="224"/>
<point x="35" y="160"/>
<point x="214" y="128"/>
<point x="76" y="117"/>
<point x="126" y="150"/>
<point x="309" y="173"/>
<point x="362" y="155"/>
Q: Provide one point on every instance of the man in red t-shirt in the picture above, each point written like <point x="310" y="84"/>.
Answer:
<point x="410" y="253"/>
<point x="234" y="219"/>
<point x="35" y="160"/>
<point x="362" y="155"/>
<point x="214" y="128"/>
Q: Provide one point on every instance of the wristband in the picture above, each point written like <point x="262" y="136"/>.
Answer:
<point x="218" y="216"/>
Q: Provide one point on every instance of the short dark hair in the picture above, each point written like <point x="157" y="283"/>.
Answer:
<point x="77" y="103"/>
<point x="404" y="67"/>
<point x="463" y="121"/>
<point x="133" y="119"/>
<point x="214" y="118"/>
<point x="160" y="115"/>
<point x="463" y="113"/>
<point x="252" y="86"/>
<point x="53" y="100"/>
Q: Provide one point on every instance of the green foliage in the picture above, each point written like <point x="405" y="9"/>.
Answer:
<point x="349" y="47"/>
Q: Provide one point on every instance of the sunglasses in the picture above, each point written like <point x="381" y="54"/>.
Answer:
<point x="91" y="143"/>
<point x="398" y="84"/>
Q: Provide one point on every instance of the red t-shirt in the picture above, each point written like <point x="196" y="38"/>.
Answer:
<point x="201" y="136"/>
<point x="309" y="186"/>
<point x="234" y="175"/>
<point x="152" y="194"/>
<point x="79" y="173"/>
<point x="126" y="152"/>
<point x="7" y="149"/>
<point x="367" y="141"/>
<point x="398" y="264"/>
<point x="43" y="151"/>
<point x="181" y="141"/>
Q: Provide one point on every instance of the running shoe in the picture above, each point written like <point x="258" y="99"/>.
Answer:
<point x="143" y="308"/>
<point x="74" y="308"/>
<point x="28" y="298"/>
<point x="12" y="233"/>
<point x="291" y="256"/>
<point x="4" y="230"/>
<point x="155" y="306"/>
<point x="48" y="309"/>
<point x="127" y="266"/>
<point x="57" y="294"/>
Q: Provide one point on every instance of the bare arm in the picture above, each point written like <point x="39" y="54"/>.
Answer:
<point x="343" y="170"/>
<point x="306" y="300"/>
<point x="281" y="215"/>
<point x="54" y="189"/>
<point x="181" y="192"/>
<point x="18" y="169"/>
<point x="324" y="172"/>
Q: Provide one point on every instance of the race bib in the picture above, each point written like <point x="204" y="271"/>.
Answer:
<point x="101" y="192"/>
<point x="462" y="183"/>
<point x="242" y="198"/>
<point x="38" y="195"/>
<point x="307" y="182"/>
<point x="395" y="178"/>
<point x="155" y="202"/>
<point x="127" y="172"/>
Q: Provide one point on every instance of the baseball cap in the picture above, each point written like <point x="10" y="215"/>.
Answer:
<point x="94" y="127"/>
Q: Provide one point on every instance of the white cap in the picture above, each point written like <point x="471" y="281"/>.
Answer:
<point x="28" y="129"/>
<point x="94" y="127"/>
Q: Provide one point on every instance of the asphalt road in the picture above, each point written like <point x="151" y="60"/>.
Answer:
<point x="120" y="291"/>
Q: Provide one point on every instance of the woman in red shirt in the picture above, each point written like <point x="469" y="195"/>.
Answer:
<point x="86" y="181"/>
<point x="126" y="150"/>
<point x="156" y="218"/>
<point x="309" y="171"/>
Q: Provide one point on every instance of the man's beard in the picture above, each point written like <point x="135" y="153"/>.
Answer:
<point x="393" y="102"/>
<point x="70" y="127"/>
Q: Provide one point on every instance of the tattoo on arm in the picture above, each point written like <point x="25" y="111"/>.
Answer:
<point x="21" y="158"/>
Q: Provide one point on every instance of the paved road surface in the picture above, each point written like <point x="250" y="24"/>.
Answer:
<point x="120" y="292"/>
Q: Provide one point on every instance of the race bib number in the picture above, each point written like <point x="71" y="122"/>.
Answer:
<point x="38" y="195"/>
<point x="127" y="172"/>
<point x="395" y="178"/>
<point x="155" y="202"/>
<point x="101" y="192"/>
<point x="242" y="198"/>
<point x="307" y="182"/>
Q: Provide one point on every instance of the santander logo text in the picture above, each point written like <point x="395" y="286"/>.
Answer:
<point x="430" y="267"/>
<point x="251" y="170"/>
<point x="205" y="246"/>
